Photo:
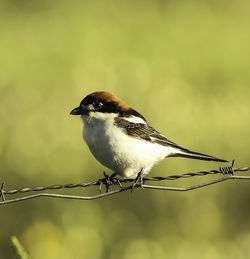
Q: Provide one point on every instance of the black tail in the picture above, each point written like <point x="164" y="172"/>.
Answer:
<point x="194" y="155"/>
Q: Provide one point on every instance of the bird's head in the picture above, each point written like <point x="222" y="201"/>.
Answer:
<point x="104" y="102"/>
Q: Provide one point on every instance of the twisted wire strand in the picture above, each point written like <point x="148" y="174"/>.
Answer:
<point x="122" y="189"/>
<point x="105" y="181"/>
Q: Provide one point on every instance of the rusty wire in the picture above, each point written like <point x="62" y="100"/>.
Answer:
<point x="228" y="172"/>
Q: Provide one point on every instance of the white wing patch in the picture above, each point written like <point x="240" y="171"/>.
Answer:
<point x="134" y="119"/>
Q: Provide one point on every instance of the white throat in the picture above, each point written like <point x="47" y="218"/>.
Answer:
<point x="94" y="118"/>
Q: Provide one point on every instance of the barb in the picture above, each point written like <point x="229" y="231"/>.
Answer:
<point x="114" y="181"/>
<point x="2" y="191"/>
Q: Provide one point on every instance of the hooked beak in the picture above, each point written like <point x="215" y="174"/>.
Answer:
<point x="79" y="111"/>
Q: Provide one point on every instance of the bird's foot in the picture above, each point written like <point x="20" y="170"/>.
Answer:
<point x="138" y="181"/>
<point x="108" y="181"/>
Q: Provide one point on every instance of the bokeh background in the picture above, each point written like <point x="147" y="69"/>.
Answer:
<point x="183" y="64"/>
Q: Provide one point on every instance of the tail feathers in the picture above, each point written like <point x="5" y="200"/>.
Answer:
<point x="195" y="155"/>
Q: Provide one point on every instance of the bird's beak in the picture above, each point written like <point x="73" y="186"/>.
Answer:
<point x="78" y="111"/>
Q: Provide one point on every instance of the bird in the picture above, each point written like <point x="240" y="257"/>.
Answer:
<point x="120" y="138"/>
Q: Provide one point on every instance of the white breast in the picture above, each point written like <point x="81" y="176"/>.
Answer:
<point x="121" y="153"/>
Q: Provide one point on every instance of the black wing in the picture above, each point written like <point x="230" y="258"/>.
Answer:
<point x="145" y="132"/>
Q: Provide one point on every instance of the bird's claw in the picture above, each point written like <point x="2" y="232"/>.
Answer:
<point x="108" y="181"/>
<point x="138" y="181"/>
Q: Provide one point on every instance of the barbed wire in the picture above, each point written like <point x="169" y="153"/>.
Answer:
<point x="108" y="181"/>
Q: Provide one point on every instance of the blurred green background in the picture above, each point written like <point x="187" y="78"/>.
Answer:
<point x="183" y="64"/>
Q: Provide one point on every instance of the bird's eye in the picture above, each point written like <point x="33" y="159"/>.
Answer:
<point x="98" y="105"/>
